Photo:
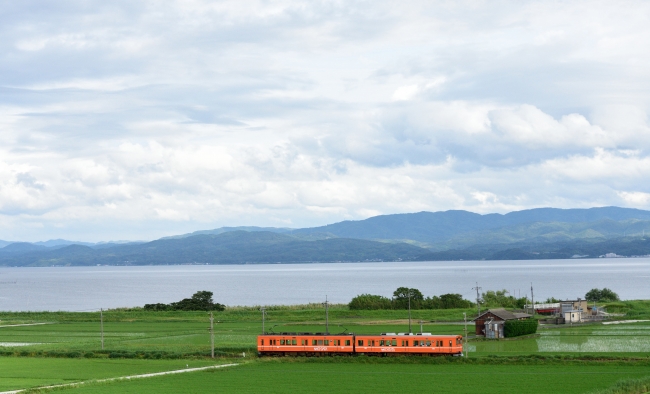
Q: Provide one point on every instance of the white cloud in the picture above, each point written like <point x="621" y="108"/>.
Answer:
<point x="201" y="114"/>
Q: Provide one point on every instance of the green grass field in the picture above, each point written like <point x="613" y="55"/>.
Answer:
<point x="68" y="349"/>
<point x="21" y="372"/>
<point x="276" y="376"/>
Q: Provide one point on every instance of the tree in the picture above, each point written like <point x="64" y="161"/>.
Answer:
<point x="401" y="298"/>
<point x="200" y="301"/>
<point x="604" y="295"/>
<point x="369" y="301"/>
<point x="453" y="301"/>
<point x="499" y="298"/>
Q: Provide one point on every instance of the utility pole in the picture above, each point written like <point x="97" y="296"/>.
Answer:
<point x="532" y="298"/>
<point x="410" y="311"/>
<point x="212" y="334"/>
<point x="478" y="303"/>
<point x="465" y="336"/>
<point x="327" y="320"/>
<point x="101" y="325"/>
<point x="263" y="309"/>
<point x="421" y="326"/>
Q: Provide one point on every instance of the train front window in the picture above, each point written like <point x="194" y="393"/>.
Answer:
<point x="262" y="343"/>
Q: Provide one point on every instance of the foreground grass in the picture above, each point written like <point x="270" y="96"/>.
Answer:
<point x="628" y="386"/>
<point x="370" y="375"/>
<point x="17" y="373"/>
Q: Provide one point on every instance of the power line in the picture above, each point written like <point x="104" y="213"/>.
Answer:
<point x="478" y="302"/>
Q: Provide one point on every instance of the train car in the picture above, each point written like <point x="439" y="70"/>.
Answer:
<point x="304" y="344"/>
<point x="401" y="344"/>
<point x="308" y="344"/>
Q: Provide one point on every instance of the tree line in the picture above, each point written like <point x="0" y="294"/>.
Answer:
<point x="403" y="296"/>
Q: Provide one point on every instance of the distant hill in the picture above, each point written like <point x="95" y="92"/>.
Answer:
<point x="433" y="228"/>
<point x="222" y="230"/>
<point x="450" y="235"/>
<point x="236" y="247"/>
<point x="580" y="248"/>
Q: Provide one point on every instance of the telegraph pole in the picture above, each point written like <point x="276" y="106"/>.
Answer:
<point x="101" y="325"/>
<point x="465" y="336"/>
<point x="212" y="334"/>
<point x="478" y="303"/>
<point x="327" y="321"/>
<point x="410" y="311"/>
<point x="263" y="309"/>
<point x="421" y="326"/>
<point x="532" y="298"/>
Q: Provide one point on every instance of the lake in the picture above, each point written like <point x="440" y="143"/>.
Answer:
<point x="91" y="288"/>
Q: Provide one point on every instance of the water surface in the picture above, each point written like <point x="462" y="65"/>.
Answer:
<point x="91" y="288"/>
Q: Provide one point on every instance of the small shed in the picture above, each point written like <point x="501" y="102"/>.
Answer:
<point x="490" y="323"/>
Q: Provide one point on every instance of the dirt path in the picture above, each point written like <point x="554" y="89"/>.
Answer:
<point x="146" y="375"/>
<point x="22" y="325"/>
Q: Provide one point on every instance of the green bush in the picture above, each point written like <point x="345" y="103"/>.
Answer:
<point x="370" y="302"/>
<point x="516" y="328"/>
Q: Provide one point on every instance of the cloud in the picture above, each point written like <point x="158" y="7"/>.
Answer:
<point x="132" y="120"/>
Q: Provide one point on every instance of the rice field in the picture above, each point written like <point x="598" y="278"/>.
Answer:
<point x="357" y="376"/>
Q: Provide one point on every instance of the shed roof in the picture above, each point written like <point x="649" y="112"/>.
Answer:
<point x="504" y="314"/>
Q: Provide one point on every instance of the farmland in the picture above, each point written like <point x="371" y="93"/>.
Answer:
<point x="50" y="348"/>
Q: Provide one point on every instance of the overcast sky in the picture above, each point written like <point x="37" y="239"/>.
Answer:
<point x="140" y="119"/>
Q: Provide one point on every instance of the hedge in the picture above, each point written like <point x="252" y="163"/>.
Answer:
<point x="517" y="328"/>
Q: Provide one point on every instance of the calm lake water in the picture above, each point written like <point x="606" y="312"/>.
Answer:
<point x="91" y="288"/>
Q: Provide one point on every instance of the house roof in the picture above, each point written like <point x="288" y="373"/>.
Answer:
<point x="504" y="314"/>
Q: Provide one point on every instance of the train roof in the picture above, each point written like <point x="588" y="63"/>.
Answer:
<point x="392" y="334"/>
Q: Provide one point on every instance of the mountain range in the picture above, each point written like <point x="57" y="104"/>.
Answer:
<point x="450" y="235"/>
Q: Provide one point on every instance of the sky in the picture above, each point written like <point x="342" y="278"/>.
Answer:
<point x="133" y="120"/>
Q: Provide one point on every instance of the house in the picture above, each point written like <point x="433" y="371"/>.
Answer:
<point x="490" y="323"/>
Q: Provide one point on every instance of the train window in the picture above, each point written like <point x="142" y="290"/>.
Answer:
<point x="314" y="342"/>
<point x="394" y="342"/>
<point x="416" y="343"/>
<point x="360" y="342"/>
<point x="381" y="343"/>
<point x="327" y="342"/>
<point x="320" y="342"/>
<point x="293" y="342"/>
<point x="262" y="342"/>
<point x="371" y="342"/>
<point x="347" y="342"/>
<point x="281" y="341"/>
<point x="428" y="343"/>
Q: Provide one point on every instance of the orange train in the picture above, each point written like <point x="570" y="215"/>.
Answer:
<point x="307" y="344"/>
